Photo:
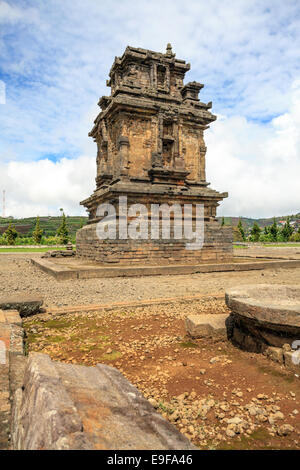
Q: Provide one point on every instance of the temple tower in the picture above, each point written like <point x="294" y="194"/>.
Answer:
<point x="151" y="149"/>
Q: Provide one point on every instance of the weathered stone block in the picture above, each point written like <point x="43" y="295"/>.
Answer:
<point x="292" y="360"/>
<point x="266" y="315"/>
<point x="275" y="354"/>
<point x="25" y="304"/>
<point x="203" y="326"/>
<point x="65" y="406"/>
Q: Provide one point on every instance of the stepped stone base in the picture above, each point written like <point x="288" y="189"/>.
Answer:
<point x="217" y="247"/>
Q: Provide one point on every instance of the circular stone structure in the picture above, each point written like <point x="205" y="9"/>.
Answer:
<point x="264" y="315"/>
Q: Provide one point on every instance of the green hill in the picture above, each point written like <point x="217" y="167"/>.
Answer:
<point x="49" y="224"/>
<point x="263" y="222"/>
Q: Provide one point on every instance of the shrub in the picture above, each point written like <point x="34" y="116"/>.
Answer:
<point x="38" y="232"/>
<point x="255" y="232"/>
<point x="62" y="231"/>
<point x="11" y="234"/>
<point x="295" y="237"/>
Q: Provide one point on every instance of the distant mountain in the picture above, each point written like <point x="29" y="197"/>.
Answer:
<point x="248" y="222"/>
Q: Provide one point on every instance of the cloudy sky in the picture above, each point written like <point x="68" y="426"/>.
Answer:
<point x="54" y="60"/>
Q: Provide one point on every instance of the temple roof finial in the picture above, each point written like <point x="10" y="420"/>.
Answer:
<point x="169" y="51"/>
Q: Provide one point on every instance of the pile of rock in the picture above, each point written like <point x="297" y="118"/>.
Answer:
<point x="61" y="253"/>
<point x="285" y="355"/>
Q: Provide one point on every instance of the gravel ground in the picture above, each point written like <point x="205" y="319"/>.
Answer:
<point x="18" y="275"/>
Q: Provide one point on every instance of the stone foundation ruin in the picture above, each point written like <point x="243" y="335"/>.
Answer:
<point x="266" y="319"/>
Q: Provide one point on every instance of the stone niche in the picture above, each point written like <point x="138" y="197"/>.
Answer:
<point x="150" y="148"/>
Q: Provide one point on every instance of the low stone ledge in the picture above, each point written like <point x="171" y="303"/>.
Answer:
<point x="25" y="304"/>
<point x="11" y="317"/>
<point x="11" y="346"/>
<point x="64" y="406"/>
<point x="65" y="271"/>
<point x="207" y="326"/>
<point x="275" y="354"/>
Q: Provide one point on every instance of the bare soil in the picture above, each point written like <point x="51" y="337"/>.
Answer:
<point x="199" y="385"/>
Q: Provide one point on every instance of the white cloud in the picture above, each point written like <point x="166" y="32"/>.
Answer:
<point x="9" y="13"/>
<point x="43" y="187"/>
<point x="2" y="92"/>
<point x="55" y="57"/>
<point x="258" y="166"/>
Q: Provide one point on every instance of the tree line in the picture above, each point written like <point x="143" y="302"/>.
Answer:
<point x="62" y="237"/>
<point x="272" y="233"/>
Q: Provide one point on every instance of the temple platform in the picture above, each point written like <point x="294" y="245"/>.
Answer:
<point x="65" y="269"/>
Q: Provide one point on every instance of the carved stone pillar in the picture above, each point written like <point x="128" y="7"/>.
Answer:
<point x="202" y="173"/>
<point x="160" y="134"/>
<point x="176" y="139"/>
<point x="123" y="149"/>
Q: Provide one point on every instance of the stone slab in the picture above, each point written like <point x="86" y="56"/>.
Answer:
<point x="13" y="317"/>
<point x="11" y="344"/>
<point x="17" y="364"/>
<point x="207" y="326"/>
<point x="25" y="304"/>
<point x="264" y="315"/>
<point x="267" y="303"/>
<point x="292" y="360"/>
<point x="64" y="406"/>
<point x="62" y="273"/>
<point x="275" y="354"/>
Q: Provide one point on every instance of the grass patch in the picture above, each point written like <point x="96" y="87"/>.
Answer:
<point x="256" y="440"/>
<point x="56" y="324"/>
<point x="29" y="250"/>
<point x="54" y="339"/>
<point x="277" y="374"/>
<point x="188" y="344"/>
<point x="112" y="356"/>
<point x="30" y="338"/>
<point x="280" y="245"/>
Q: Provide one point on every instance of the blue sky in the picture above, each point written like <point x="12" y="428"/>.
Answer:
<point x="55" y="56"/>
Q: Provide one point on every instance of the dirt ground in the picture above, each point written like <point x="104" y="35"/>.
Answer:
<point x="217" y="395"/>
<point x="18" y="275"/>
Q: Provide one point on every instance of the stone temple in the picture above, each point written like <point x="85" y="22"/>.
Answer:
<point x="149" y="136"/>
